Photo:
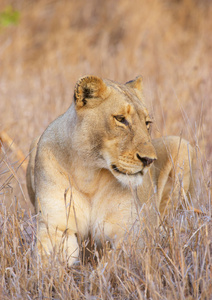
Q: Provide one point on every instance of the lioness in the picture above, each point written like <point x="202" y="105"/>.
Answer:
<point x="95" y="166"/>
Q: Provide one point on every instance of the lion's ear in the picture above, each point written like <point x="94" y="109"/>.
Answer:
<point x="137" y="83"/>
<point x="89" y="91"/>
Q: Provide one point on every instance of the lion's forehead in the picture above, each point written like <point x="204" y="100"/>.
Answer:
<point x="128" y="95"/>
<point x="122" y="89"/>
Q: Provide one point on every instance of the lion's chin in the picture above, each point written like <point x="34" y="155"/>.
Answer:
<point x="129" y="180"/>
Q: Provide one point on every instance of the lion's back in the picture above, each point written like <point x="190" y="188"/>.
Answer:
<point x="30" y="179"/>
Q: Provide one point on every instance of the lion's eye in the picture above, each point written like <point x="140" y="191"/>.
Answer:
<point x="148" y="124"/>
<point x="121" y="119"/>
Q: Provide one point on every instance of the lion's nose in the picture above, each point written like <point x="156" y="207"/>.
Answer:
<point x="145" y="160"/>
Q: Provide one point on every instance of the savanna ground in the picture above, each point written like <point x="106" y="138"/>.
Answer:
<point x="45" y="46"/>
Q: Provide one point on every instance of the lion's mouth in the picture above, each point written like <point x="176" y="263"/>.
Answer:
<point x="114" y="167"/>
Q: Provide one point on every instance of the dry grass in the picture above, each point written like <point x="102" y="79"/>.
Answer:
<point x="55" y="42"/>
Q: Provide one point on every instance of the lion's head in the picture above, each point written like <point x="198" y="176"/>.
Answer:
<point x="112" y="128"/>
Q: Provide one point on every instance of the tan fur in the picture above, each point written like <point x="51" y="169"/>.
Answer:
<point x="90" y="163"/>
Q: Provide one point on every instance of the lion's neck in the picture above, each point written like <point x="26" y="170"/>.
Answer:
<point x="88" y="180"/>
<point x="85" y="177"/>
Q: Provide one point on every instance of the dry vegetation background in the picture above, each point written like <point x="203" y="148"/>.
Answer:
<point x="41" y="58"/>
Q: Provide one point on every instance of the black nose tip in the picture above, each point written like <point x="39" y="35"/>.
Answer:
<point x="145" y="160"/>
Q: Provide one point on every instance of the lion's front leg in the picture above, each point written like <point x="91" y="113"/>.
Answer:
<point x="52" y="241"/>
<point x="122" y="221"/>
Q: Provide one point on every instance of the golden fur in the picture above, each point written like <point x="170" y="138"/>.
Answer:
<point x="91" y="163"/>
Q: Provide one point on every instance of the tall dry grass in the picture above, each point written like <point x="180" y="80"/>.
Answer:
<point x="55" y="42"/>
